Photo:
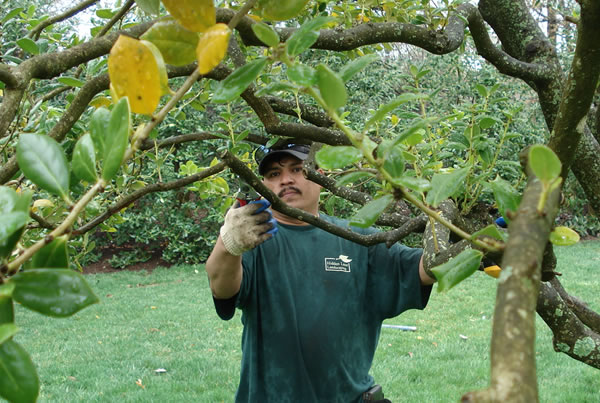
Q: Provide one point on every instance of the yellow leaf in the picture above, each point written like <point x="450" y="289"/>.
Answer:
<point x="99" y="102"/>
<point x="42" y="203"/>
<point x="195" y="15"/>
<point x="493" y="271"/>
<point x="162" y="68"/>
<point x="136" y="72"/>
<point x="212" y="47"/>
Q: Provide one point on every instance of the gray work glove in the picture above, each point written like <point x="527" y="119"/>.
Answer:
<point x="247" y="227"/>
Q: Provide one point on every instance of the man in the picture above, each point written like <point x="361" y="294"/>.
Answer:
<point x="312" y="302"/>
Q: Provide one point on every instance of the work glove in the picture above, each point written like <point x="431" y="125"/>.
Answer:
<point x="247" y="227"/>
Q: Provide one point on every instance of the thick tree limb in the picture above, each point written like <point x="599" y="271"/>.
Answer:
<point x="571" y="336"/>
<point x="308" y="113"/>
<point x="7" y="76"/>
<point x="579" y="89"/>
<point x="436" y="238"/>
<point x="513" y="371"/>
<point x="587" y="316"/>
<point x="9" y="108"/>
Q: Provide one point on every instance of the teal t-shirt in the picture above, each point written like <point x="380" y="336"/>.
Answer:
<point x="312" y="306"/>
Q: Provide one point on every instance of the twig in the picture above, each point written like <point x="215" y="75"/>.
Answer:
<point x="36" y="32"/>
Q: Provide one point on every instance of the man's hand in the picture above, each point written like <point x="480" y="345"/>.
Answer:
<point x="247" y="227"/>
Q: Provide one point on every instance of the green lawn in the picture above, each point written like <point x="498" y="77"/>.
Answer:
<point x="165" y="320"/>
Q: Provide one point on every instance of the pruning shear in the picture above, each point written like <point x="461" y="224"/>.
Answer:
<point x="246" y="193"/>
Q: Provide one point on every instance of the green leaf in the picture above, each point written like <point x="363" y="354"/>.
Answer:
<point x="116" y="140"/>
<point x="8" y="199"/>
<point x="302" y="74"/>
<point x="7" y="330"/>
<point x="71" y="82"/>
<point x="334" y="157"/>
<point x="457" y="269"/>
<point x="487" y="122"/>
<point x="389" y="107"/>
<point x="6" y="290"/>
<point x="266" y="34"/>
<point x="235" y="83"/>
<point x="52" y="256"/>
<point x="7" y="314"/>
<point x="306" y="35"/>
<point x="544" y="163"/>
<point x="18" y="378"/>
<point x="23" y="201"/>
<point x="564" y="236"/>
<point x="12" y="14"/>
<point x="353" y="177"/>
<point x="52" y="292"/>
<point x="370" y="212"/>
<point x="491" y="231"/>
<point x="149" y="6"/>
<point x="507" y="198"/>
<point x="176" y="43"/>
<point x="331" y="86"/>
<point x="482" y="90"/>
<point x="28" y="46"/>
<point x="393" y="158"/>
<point x="11" y="223"/>
<point x="105" y="13"/>
<point x="99" y="130"/>
<point x="444" y="186"/>
<point x="417" y="184"/>
<point x="413" y="135"/>
<point x="276" y="87"/>
<point x="356" y="65"/>
<point x="43" y="162"/>
<point x="84" y="159"/>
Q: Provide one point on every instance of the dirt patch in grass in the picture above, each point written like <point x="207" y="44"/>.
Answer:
<point x="103" y="265"/>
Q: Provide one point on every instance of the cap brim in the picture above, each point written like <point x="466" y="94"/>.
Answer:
<point x="269" y="157"/>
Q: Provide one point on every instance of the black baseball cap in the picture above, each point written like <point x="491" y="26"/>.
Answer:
<point x="299" y="151"/>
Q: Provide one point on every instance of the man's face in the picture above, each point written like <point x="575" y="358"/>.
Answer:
<point x="286" y="180"/>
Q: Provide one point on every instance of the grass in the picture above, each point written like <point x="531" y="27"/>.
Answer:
<point x="165" y="320"/>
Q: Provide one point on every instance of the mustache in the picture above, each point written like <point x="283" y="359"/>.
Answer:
<point x="295" y="189"/>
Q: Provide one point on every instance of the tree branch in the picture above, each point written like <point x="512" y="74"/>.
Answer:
<point x="7" y="76"/>
<point x="116" y="18"/>
<point x="67" y="120"/>
<point x="240" y="169"/>
<point x="37" y="30"/>
<point x="513" y="370"/>
<point x="309" y="113"/>
<point x="157" y="187"/>
<point x="571" y="336"/>
<point x="587" y="316"/>
<point x="8" y="110"/>
<point x="579" y="90"/>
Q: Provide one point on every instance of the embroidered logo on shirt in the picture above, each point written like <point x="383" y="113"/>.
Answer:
<point x="341" y="263"/>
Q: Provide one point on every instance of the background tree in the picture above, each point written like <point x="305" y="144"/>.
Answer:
<point x="400" y="134"/>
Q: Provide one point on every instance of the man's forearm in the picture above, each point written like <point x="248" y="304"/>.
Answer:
<point x="224" y="271"/>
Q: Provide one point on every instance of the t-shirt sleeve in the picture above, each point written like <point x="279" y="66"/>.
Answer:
<point x="225" y="307"/>
<point x="395" y="282"/>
